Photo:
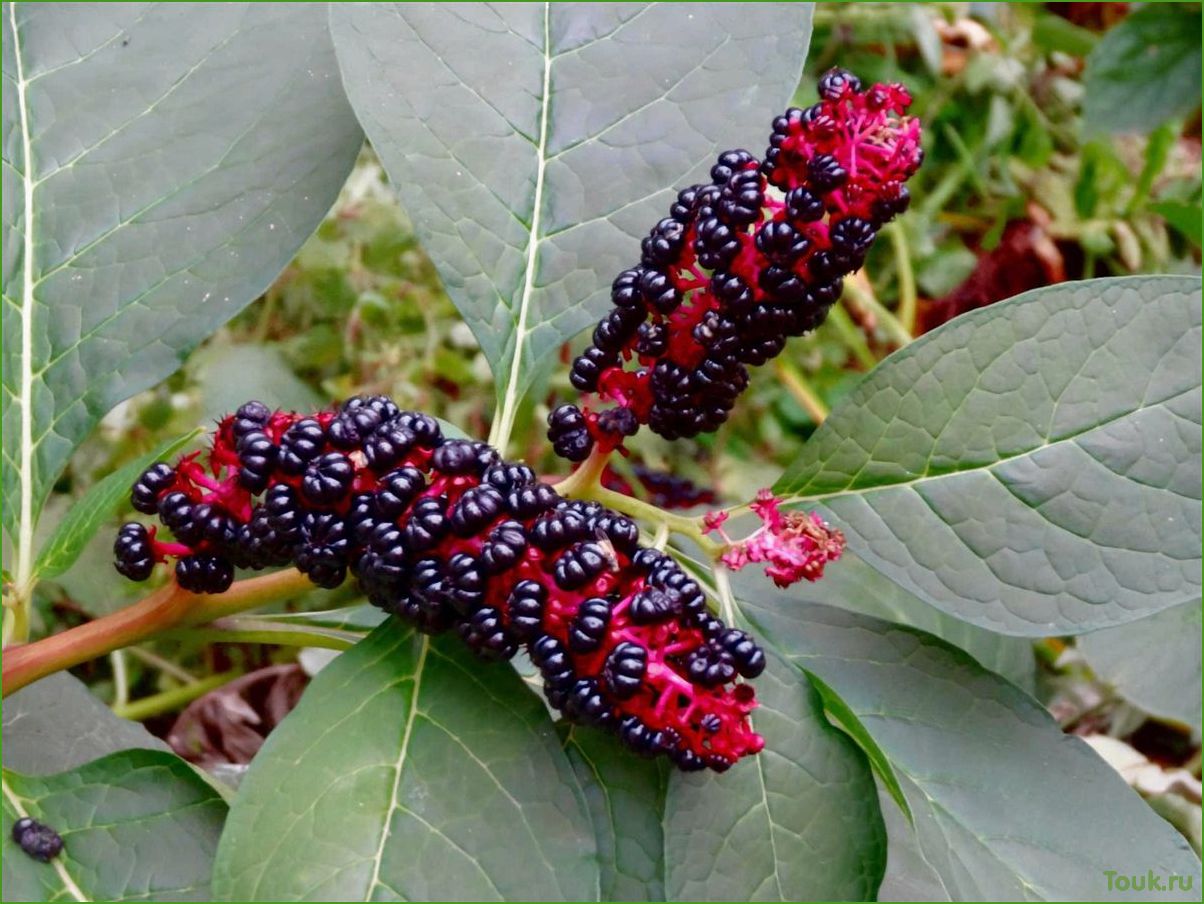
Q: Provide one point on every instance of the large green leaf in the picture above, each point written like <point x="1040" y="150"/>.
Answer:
<point x="533" y="144"/>
<point x="410" y="771"/>
<point x="1153" y="663"/>
<point x="57" y="724"/>
<point x="626" y="799"/>
<point x="1005" y="806"/>
<point x="800" y="821"/>
<point x="851" y="584"/>
<point x="1032" y="467"/>
<point x="1145" y="70"/>
<point x="162" y="163"/>
<point x="136" y="825"/>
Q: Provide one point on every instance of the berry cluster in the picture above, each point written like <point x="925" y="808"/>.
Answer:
<point x="37" y="840"/>
<point x="445" y="534"/>
<point x="741" y="264"/>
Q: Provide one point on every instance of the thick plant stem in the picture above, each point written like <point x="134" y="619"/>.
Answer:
<point x="798" y="387"/>
<point x="851" y="334"/>
<point x="174" y="699"/>
<point x="586" y="476"/>
<point x="168" y="607"/>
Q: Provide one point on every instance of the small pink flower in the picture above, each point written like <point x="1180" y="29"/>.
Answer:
<point x="796" y="545"/>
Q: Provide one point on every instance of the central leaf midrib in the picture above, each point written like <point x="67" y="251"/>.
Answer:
<point x="402" y="753"/>
<point x="500" y="432"/>
<point x="25" y="475"/>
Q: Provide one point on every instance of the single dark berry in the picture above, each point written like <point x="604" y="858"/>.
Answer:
<point x="652" y="605"/>
<point x="825" y="174"/>
<point x="176" y="513"/>
<point x="526" y="605"/>
<point x="663" y="244"/>
<point x="529" y="501"/>
<point x="836" y="83"/>
<point x="37" y="840"/>
<point x="579" y="564"/>
<point x="659" y="292"/>
<point x="257" y="455"/>
<point x="730" y="163"/>
<point x="397" y="490"/>
<point x="154" y="481"/>
<point x="588" y="628"/>
<point x="250" y="418"/>
<point x="486" y="635"/>
<point x="132" y="552"/>
<point x="802" y="206"/>
<point x="742" y="198"/>
<point x="504" y="548"/>
<point x="387" y="446"/>
<point x="427" y="524"/>
<point x="475" y="510"/>
<point x="710" y="667"/>
<point x="507" y="476"/>
<point x="625" y="290"/>
<point x="853" y="236"/>
<point x="653" y="340"/>
<point x="619" y="421"/>
<point x="327" y="479"/>
<point x="204" y="573"/>
<point x="427" y="432"/>
<point x="466" y="583"/>
<point x="456" y="457"/>
<point x="624" y="669"/>
<point x="301" y="443"/>
<point x="780" y="242"/>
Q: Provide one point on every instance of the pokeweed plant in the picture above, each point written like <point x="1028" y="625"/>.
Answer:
<point x="1029" y="469"/>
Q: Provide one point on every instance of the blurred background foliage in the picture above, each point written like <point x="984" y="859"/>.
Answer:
<point x="1062" y="141"/>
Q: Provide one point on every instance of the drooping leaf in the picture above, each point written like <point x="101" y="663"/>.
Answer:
<point x="87" y="514"/>
<point x="1000" y="797"/>
<point x="136" y="825"/>
<point x="533" y="144"/>
<point x="57" y="724"/>
<point x="799" y="821"/>
<point x="626" y="799"/>
<point x="1153" y="663"/>
<point x="162" y="163"/>
<point x="410" y="771"/>
<point x="853" y="585"/>
<point x="1032" y="467"/>
<point x="1145" y="70"/>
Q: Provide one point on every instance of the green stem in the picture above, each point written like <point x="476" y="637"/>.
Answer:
<point x="649" y="513"/>
<point x="250" y="630"/>
<point x="587" y="475"/>
<point x="907" y="280"/>
<point x="174" y="699"/>
<point x="851" y="335"/>
<point x="798" y="387"/>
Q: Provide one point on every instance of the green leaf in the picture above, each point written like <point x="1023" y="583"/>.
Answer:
<point x="1005" y="806"/>
<point x="1182" y="216"/>
<point x="1153" y="663"/>
<point x="800" y="821"/>
<point x="1145" y="70"/>
<point x="534" y="144"/>
<point x="229" y="375"/>
<point x="136" y="825"/>
<point x="57" y="724"/>
<point x="161" y="165"/>
<point x="410" y="770"/>
<point x="625" y="795"/>
<point x="1052" y="32"/>
<point x="88" y="513"/>
<point x="853" y="585"/>
<point x="1032" y="467"/>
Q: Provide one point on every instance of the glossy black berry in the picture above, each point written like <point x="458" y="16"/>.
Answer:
<point x="301" y="443"/>
<point x="529" y="501"/>
<point x="624" y="669"/>
<point x="456" y="457"/>
<point x="662" y="246"/>
<point x="742" y="198"/>
<point x="486" y="635"/>
<point x="835" y="83"/>
<point x="387" y="446"/>
<point x="579" y="564"/>
<point x="466" y="583"/>
<point x="730" y="163"/>
<point x="504" y="547"/>
<point x="625" y="290"/>
<point x="710" y="667"/>
<point x="427" y="432"/>
<point x="204" y="573"/>
<point x="154" y="481"/>
<point x="397" y="490"/>
<point x="588" y="366"/>
<point x="825" y="174"/>
<point x="132" y="552"/>
<point x="327" y="480"/>
<point x="250" y="418"/>
<point x="588" y="628"/>
<point x="526" y="605"/>
<point x="659" y="292"/>
<point x="507" y="476"/>
<point x="781" y="242"/>
<point x="652" y="604"/>
<point x="257" y="456"/>
<point x="37" y="840"/>
<point x="427" y="524"/>
<point x="475" y="510"/>
<point x="853" y="236"/>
